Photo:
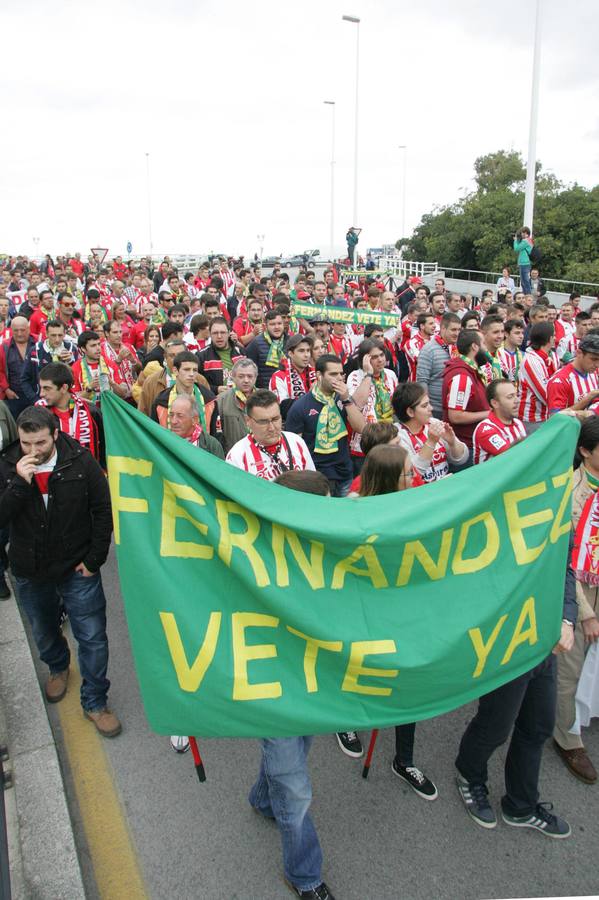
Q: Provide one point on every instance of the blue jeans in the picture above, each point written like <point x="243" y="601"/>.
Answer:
<point x="283" y="792"/>
<point x="85" y="604"/>
<point x="525" y="279"/>
<point x="340" y="488"/>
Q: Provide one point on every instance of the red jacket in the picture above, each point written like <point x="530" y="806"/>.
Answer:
<point x="463" y="389"/>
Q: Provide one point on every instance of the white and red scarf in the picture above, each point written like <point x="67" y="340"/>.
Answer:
<point x="585" y="557"/>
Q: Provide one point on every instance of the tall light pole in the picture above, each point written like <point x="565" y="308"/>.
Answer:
<point x="531" y="163"/>
<point x="404" y="189"/>
<point x="331" y="103"/>
<point x="260" y="238"/>
<point x="149" y="203"/>
<point x="356" y="21"/>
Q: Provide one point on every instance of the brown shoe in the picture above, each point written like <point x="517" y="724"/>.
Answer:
<point x="105" y="721"/>
<point x="578" y="763"/>
<point x="56" y="686"/>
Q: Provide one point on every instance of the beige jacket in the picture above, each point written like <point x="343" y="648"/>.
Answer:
<point x="586" y="594"/>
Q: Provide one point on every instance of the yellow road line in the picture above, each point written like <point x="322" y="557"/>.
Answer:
<point x="113" y="855"/>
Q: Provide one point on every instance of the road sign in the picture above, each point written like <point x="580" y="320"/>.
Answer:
<point x="100" y="253"/>
<point x="129" y="246"/>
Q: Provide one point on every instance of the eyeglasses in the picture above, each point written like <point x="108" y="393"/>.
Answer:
<point x="274" y="421"/>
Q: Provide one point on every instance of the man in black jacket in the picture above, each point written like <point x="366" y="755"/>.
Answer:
<point x="267" y="349"/>
<point x="55" y="500"/>
<point x="218" y="358"/>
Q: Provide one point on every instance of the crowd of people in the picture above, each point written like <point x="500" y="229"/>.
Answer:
<point x="219" y="357"/>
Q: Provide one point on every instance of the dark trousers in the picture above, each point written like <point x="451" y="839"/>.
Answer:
<point x="404" y="744"/>
<point x="526" y="704"/>
<point x="84" y="600"/>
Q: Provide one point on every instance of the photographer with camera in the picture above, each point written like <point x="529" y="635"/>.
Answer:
<point x="351" y="239"/>
<point x="523" y="246"/>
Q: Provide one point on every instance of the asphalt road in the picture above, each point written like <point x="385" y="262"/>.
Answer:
<point x="379" y="839"/>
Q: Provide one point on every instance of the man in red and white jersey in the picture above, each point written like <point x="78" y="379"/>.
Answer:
<point x="437" y="302"/>
<point x="247" y="327"/>
<point x="501" y="429"/>
<point x="426" y="329"/>
<point x="296" y="376"/>
<point x="340" y="343"/>
<point x="568" y="346"/>
<point x="510" y="355"/>
<point x="268" y="451"/>
<point x="139" y="329"/>
<point x="576" y="385"/>
<point x="117" y="295"/>
<point x="535" y="371"/>
<point x="371" y="387"/>
<point x="73" y="326"/>
<point x="116" y="352"/>
<point x="91" y="372"/>
<point x="564" y="324"/>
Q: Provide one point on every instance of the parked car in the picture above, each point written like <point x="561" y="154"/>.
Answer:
<point x="308" y="258"/>
<point x="267" y="262"/>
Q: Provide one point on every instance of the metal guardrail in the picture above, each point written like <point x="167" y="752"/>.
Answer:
<point x="405" y="268"/>
<point x="558" y="285"/>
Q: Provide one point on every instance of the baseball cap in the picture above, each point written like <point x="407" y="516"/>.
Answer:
<point x="303" y="295"/>
<point x="295" y="340"/>
<point x="414" y="279"/>
<point x="589" y="344"/>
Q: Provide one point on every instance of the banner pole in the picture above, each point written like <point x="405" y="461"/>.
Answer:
<point x="368" y="760"/>
<point x="197" y="759"/>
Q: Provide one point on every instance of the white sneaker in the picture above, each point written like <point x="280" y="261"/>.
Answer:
<point x="179" y="743"/>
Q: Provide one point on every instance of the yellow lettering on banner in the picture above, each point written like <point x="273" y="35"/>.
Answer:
<point x="481" y="649"/>
<point x="522" y="635"/>
<point x="244" y="540"/>
<point x="244" y="653"/>
<point x="171" y="511"/>
<point x="191" y="677"/>
<point x="517" y="523"/>
<point x="125" y="465"/>
<point x="415" y="550"/>
<point x="311" y="568"/>
<point x="313" y="645"/>
<point x="373" y="569"/>
<point x="559" y="527"/>
<point x="355" y="667"/>
<point x="461" y="566"/>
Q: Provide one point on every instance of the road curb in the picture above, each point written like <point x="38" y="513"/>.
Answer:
<point x="44" y="834"/>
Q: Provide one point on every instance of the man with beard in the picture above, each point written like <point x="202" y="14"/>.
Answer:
<point x="465" y="401"/>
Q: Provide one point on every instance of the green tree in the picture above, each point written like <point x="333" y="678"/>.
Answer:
<point x="477" y="231"/>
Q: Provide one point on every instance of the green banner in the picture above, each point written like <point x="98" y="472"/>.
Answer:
<point x="258" y="611"/>
<point x="311" y="311"/>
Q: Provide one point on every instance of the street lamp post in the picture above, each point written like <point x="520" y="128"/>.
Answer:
<point x="531" y="163"/>
<point x="356" y="21"/>
<point x="149" y="203"/>
<point x="404" y="189"/>
<point x="331" y="103"/>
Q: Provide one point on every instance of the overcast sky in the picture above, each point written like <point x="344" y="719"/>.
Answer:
<point x="227" y="98"/>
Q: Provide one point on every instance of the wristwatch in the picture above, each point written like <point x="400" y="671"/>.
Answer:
<point x="348" y="402"/>
<point x="568" y="622"/>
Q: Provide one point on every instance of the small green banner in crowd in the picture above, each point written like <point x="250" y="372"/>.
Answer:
<point x="257" y="611"/>
<point x="312" y="311"/>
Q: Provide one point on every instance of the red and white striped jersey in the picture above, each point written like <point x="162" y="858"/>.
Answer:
<point x="413" y="443"/>
<point x="492" y="437"/>
<point x="341" y="347"/>
<point x="568" y="344"/>
<point x="412" y="351"/>
<point x="535" y="371"/>
<point x="510" y="361"/>
<point x="568" y="385"/>
<point x="563" y="329"/>
<point x="354" y="380"/>
<point x="460" y="390"/>
<point x="270" y="462"/>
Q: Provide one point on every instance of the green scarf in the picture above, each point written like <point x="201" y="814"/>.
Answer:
<point x="472" y="364"/>
<point x="495" y="366"/>
<point x="382" y="401"/>
<point x="330" y="427"/>
<point x="275" y="351"/>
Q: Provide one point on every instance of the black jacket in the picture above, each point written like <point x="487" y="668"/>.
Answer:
<point x="257" y="350"/>
<point x="47" y="544"/>
<point x="211" y="367"/>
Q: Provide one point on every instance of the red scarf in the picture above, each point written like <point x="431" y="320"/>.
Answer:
<point x="585" y="557"/>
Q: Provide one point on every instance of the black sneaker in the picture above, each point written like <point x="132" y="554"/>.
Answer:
<point x="350" y="744"/>
<point x="417" y="780"/>
<point x="476" y="801"/>
<point x="4" y="588"/>
<point x="542" y="820"/>
<point x="321" y="892"/>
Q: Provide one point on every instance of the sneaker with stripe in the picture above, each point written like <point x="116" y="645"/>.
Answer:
<point x="476" y="800"/>
<point x="542" y="820"/>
